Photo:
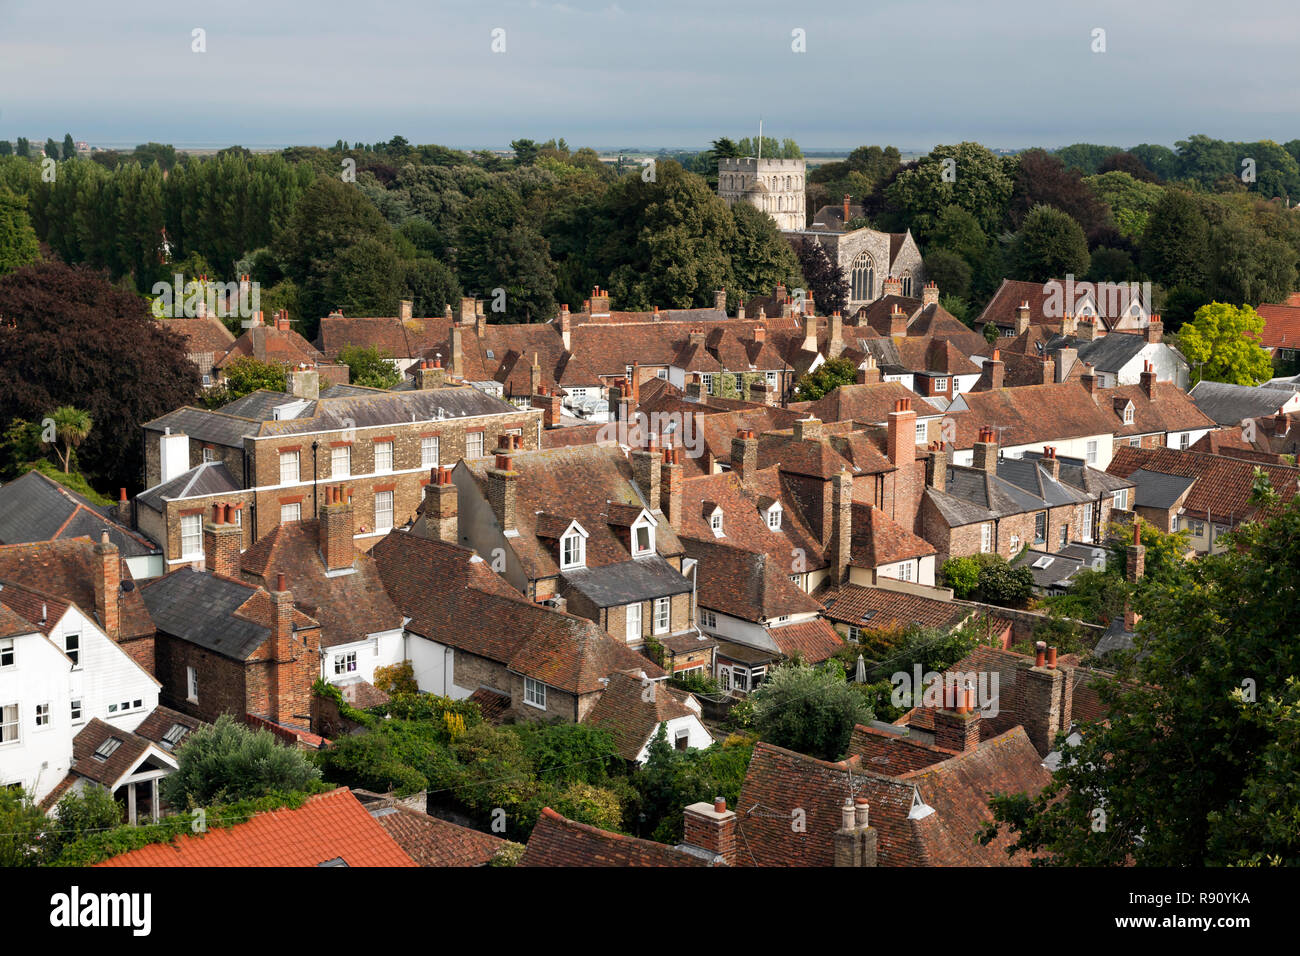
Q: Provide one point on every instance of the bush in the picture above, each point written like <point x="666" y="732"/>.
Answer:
<point x="227" y="762"/>
<point x="808" y="709"/>
<point x="396" y="679"/>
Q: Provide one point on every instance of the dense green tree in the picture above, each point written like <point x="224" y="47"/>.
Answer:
<point x="1222" y="343"/>
<point x="244" y="375"/>
<point x="1130" y="200"/>
<point x="949" y="272"/>
<point x="760" y="255"/>
<point x="1050" y="244"/>
<point x="825" y="278"/>
<point x="827" y="377"/>
<point x="368" y="366"/>
<point x="671" y="780"/>
<point x="163" y="155"/>
<point x="1043" y="179"/>
<point x="1161" y="160"/>
<point x="6" y="148"/>
<point x="51" y="148"/>
<point x="1128" y="164"/>
<point x="69" y="150"/>
<point x="966" y="175"/>
<point x="1247" y="265"/>
<point x="1175" y="246"/>
<point x="430" y="286"/>
<point x="18" y="244"/>
<point x="811" y="710"/>
<point x="1085" y="157"/>
<point x="1107" y="265"/>
<point x="227" y="761"/>
<point x="24" y="147"/>
<point x="498" y="250"/>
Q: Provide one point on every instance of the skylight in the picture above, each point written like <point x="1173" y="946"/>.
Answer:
<point x="105" y="750"/>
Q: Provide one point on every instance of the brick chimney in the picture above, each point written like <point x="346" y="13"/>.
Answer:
<point x="1022" y="318"/>
<point x="1281" y="425"/>
<point x="957" y="722"/>
<point x="599" y="301"/>
<point x="855" y="843"/>
<point x="282" y="320"/>
<point x="936" y="467"/>
<point x="897" y="322"/>
<point x="457" y="352"/>
<point x="902" y="434"/>
<point x="337" y="548"/>
<point x="846" y="210"/>
<point x="984" y="456"/>
<point x="1069" y="325"/>
<point x="712" y="827"/>
<point x="289" y="698"/>
<point x="502" y="479"/>
<point x="1051" y="463"/>
<point x="868" y="371"/>
<point x="930" y="294"/>
<point x="695" y="336"/>
<point x="1155" y="330"/>
<point x="551" y="403"/>
<point x="1148" y="379"/>
<point x="835" y="343"/>
<point x="566" y="328"/>
<point x="671" y="486"/>
<point x="1089" y="378"/>
<point x="744" y="455"/>
<point x="1135" y="564"/>
<point x="1047" y="374"/>
<point x="467" y="311"/>
<point x="840" y="550"/>
<point x="994" y="371"/>
<point x="404" y="309"/>
<point x="222" y="539"/>
<point x="429" y="374"/>
<point x="695" y="387"/>
<point x="480" y="320"/>
<point x="1046" y="698"/>
<point x="646" y="465"/>
<point x="108" y="583"/>
<point x="808" y="429"/>
<point x="440" y="506"/>
<point x="1085" y="329"/>
<point x="892" y="286"/>
<point x="760" y="334"/>
<point x="123" y="510"/>
<point x="720" y="301"/>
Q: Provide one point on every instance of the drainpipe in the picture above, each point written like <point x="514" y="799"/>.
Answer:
<point x="314" y="445"/>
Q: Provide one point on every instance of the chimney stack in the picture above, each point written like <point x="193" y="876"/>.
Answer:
<point x="1047" y="375"/>
<point x="337" y="548"/>
<point x="957" y="722"/>
<point x="868" y="371"/>
<point x="1085" y="329"/>
<point x="457" y="352"/>
<point x="1149" y="381"/>
<point x="1022" y="318"/>
<point x="287" y="698"/>
<point x="835" y="342"/>
<point x="930" y="294"/>
<point x="892" y="286"/>
<point x="404" y="310"/>
<point x="502" y="479"/>
<point x="1069" y="326"/>
<point x="440" y="506"/>
<point x="809" y="332"/>
<point x="897" y="322"/>
<point x="936" y="467"/>
<point x="671" y="485"/>
<point x="123" y="512"/>
<point x="108" y="582"/>
<point x="429" y="374"/>
<point x="855" y="842"/>
<point x="1065" y="359"/>
<point x="712" y="827"/>
<point x="744" y="455"/>
<point x="1051" y="463"/>
<point x="902" y="434"/>
<point x="1046" y="698"/>
<point x="846" y="210"/>
<point x="566" y="328"/>
<point x="808" y="429"/>
<point x="994" y="371"/>
<point x="222" y="539"/>
<point x="985" y="453"/>
<point x="720" y="301"/>
<point x="646" y="465"/>
<point x="1155" y="330"/>
<point x="840" y="551"/>
<point x="1089" y="378"/>
<point x="599" y="301"/>
<point x="1135" y="561"/>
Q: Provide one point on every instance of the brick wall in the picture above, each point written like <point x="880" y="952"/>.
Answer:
<point x="221" y="680"/>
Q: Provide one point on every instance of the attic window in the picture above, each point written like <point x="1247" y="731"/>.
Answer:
<point x="105" y="750"/>
<point x="572" y="552"/>
<point x="868" y="615"/>
<point x="774" y="517"/>
<point x="715" y="522"/>
<point x="174" y="735"/>
<point x="1128" y="414"/>
<point x="337" y="861"/>
<point x="1044" y="561"/>
<point x="643" y="538"/>
<point x="489" y="354"/>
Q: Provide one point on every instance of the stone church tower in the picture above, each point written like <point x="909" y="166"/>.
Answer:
<point x="774" y="186"/>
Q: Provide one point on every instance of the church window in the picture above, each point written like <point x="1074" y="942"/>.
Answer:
<point x="862" y="278"/>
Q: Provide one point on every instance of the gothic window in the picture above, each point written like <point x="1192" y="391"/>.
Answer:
<point x="907" y="287"/>
<point x="862" y="278"/>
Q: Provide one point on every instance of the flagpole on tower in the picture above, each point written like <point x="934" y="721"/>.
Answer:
<point x="760" y="137"/>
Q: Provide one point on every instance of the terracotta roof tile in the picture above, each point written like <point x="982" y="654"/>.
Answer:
<point x="558" y="841"/>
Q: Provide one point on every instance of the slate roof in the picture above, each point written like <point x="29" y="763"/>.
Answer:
<point x="220" y="614"/>
<point x="35" y="507"/>
<point x="430" y="841"/>
<point x="444" y="591"/>
<point x="327" y="827"/>
<point x="349" y="607"/>
<point x="558" y="841"/>
<point x="882" y="609"/>
<point x="208" y="478"/>
<point x="1230" y="404"/>
<point x="1048" y="569"/>
<point x="613" y="585"/>
<point x="1110" y="353"/>
<point x="66" y="568"/>
<point x="1157" y="490"/>
<point x="632" y="719"/>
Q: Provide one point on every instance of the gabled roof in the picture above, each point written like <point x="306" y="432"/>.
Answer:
<point x="1157" y="490"/>
<point x="328" y="827"/>
<point x="202" y="334"/>
<point x="35" y="507"/>
<point x="167" y="728"/>
<point x="208" y="478"/>
<point x="1230" y="404"/>
<point x="1168" y="409"/>
<point x="882" y="609"/>
<point x="1029" y="414"/>
<point x="613" y="585"/>
<point x="864" y="403"/>
<point x="67" y="568"/>
<point x="430" y="841"/>
<point x="878" y="540"/>
<point x="812" y="641"/>
<point x="1223" y="485"/>
<point x="350" y="607"/>
<point x="742" y="524"/>
<point x="452" y="597"/>
<point x="748" y="585"/>
<point x="1281" y="326"/>
<point x="559" y="841"/>
<point x="267" y="343"/>
<point x="105" y="754"/>
<point x="632" y="709"/>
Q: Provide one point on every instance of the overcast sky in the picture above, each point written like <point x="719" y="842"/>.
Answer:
<point x="621" y="73"/>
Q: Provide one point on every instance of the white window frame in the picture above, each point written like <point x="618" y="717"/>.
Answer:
<point x="635" y="623"/>
<point x="72" y="647"/>
<point x="1184" y="441"/>
<point x="905" y="571"/>
<point x="648" y="528"/>
<point x="708" y="618"/>
<point x="43" y="714"/>
<point x="573" y="551"/>
<point x="534" y="693"/>
<point x="472" y="439"/>
<point x="383" y="511"/>
<point x="1040" y="539"/>
<point x="1120" y="500"/>
<point x="383" y="457"/>
<point x="1088" y="512"/>
<point x="663" y="615"/>
<point x="855" y="633"/>
<point x="774" y="518"/>
<point x="209" y="455"/>
<point x="294" y="510"/>
<point x="941" y="385"/>
<point x="986" y="537"/>
<point x="341" y="461"/>
<point x="192" y="685"/>
<point x="7" y="650"/>
<point x="345" y="663"/>
<point x="290" y="468"/>
<point x="191" y="536"/>
<point x="76" y="710"/>
<point x="715" y="523"/>
<point x="1092" y="452"/>
<point x="1128" y="414"/>
<point x="11" y="730"/>
<point x="430" y="449"/>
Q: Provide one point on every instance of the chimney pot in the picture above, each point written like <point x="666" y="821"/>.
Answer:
<point x="1040" y="653"/>
<point x="279" y="581"/>
<point x="719" y="805"/>
<point x="1051" y="658"/>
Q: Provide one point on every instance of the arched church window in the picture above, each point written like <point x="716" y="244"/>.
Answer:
<point x="907" y="286"/>
<point x="862" y="278"/>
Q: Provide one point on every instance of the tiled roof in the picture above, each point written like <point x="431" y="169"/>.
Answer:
<point x="1002" y="308"/>
<point x="327" y="827"/>
<point x="160" y="721"/>
<point x="492" y="703"/>
<point x="632" y="719"/>
<point x="123" y="752"/>
<point x="441" y="588"/>
<point x="882" y="609"/>
<point x="742" y="523"/>
<point x="749" y="585"/>
<point x="1030" y="414"/>
<point x="813" y="641"/>
<point x="35" y="507"/>
<point x="878" y="540"/>
<point x="12" y="624"/>
<point x="202" y="334"/>
<point x="41" y="610"/>
<point x="433" y="842"/>
<point x="350" y="607"/>
<point x="558" y="841"/>
<point x="1281" y="326"/>
<point x="266" y="343"/>
<point x="1169" y="409"/>
<point x="864" y="403"/>
<point x="1223" y="485"/>
<point x="66" y="568"/>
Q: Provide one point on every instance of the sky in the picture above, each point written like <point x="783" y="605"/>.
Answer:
<point x="654" y="73"/>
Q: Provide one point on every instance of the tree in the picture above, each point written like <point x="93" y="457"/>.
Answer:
<point x="24" y="147"/>
<point x="949" y="272"/>
<point x="1222" y="343"/>
<point x="6" y="148"/>
<point x="672" y="779"/>
<point x="18" y="243"/>
<point x="1049" y="245"/>
<point x="248" y="374"/>
<point x="760" y="256"/>
<point x="22" y="825"/>
<point x="71" y="427"/>
<point x="1085" y="157"/>
<point x="1131" y="200"/>
<point x="430" y="286"/>
<point x="1198" y="706"/>
<point x="69" y="147"/>
<point x="988" y="577"/>
<point x="1247" y="265"/>
<point x="70" y="338"/>
<point x="1042" y="179"/>
<point x="1175" y="246"/>
<point x="828" y="376"/>
<point x="369" y="366"/>
<point x="966" y="175"/>
<point x="227" y="761"/>
<point x="51" y="148"/>
<point x="825" y="278"/>
<point x="811" y="710"/>
<point x="78" y="814"/>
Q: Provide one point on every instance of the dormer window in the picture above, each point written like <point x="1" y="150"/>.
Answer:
<point x="643" y="536"/>
<point x="774" y="517"/>
<point x="573" y="553"/>
<point x="1128" y="414"/>
<point x="715" y="522"/>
